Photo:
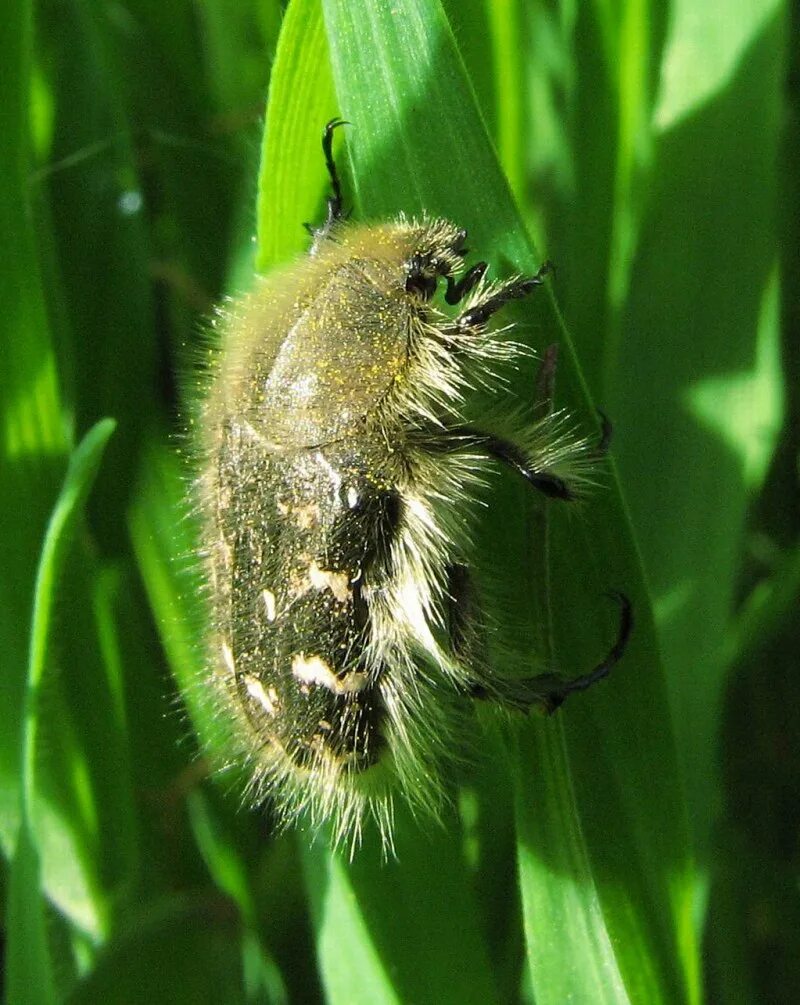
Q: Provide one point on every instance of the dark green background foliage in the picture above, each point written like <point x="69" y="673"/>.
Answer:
<point x="642" y="846"/>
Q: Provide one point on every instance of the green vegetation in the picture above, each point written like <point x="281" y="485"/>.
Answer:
<point x="642" y="845"/>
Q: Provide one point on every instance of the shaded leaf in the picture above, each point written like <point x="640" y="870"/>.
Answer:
<point x="29" y="974"/>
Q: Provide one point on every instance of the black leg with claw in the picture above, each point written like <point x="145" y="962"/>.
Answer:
<point x="335" y="211"/>
<point x="515" y="290"/>
<point x="550" y="691"/>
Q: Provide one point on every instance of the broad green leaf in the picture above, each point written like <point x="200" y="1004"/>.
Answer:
<point x="563" y="906"/>
<point x="614" y="54"/>
<point x="646" y="231"/>
<point x="418" y="144"/>
<point x="668" y="195"/>
<point x="698" y="397"/>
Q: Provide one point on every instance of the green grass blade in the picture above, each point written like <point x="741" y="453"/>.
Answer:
<point x="33" y="433"/>
<point x="27" y="942"/>
<point x="153" y="519"/>
<point x="82" y="470"/>
<point x="505" y="23"/>
<point x="571" y="913"/>
<point x="669" y="195"/>
<point x="425" y="148"/>
<point x="28" y="977"/>
<point x="226" y="864"/>
<point x="97" y="209"/>
<point x="86" y="818"/>
<point x="183" y="949"/>
<point x="301" y="101"/>
<point x="164" y="538"/>
<point x="395" y="912"/>
<point x="698" y="396"/>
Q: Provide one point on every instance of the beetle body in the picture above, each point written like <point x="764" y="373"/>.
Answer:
<point x="337" y="470"/>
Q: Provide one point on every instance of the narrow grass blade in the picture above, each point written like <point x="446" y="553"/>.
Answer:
<point x="33" y="433"/>
<point x="164" y="541"/>
<point x="29" y="974"/>
<point x="97" y="210"/>
<point x="231" y="874"/>
<point x="397" y="914"/>
<point x="182" y="949"/>
<point x="83" y="467"/>
<point x="28" y="968"/>
<point x="301" y="101"/>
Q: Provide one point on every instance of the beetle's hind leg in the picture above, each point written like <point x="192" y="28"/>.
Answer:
<point x="516" y="457"/>
<point x="545" y="691"/>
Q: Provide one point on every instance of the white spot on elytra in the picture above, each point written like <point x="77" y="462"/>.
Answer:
<point x="256" y="691"/>
<point x="314" y="670"/>
<point x="269" y="604"/>
<point x="353" y="682"/>
<point x="227" y="656"/>
<point x="352" y="498"/>
<point x="337" y="582"/>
